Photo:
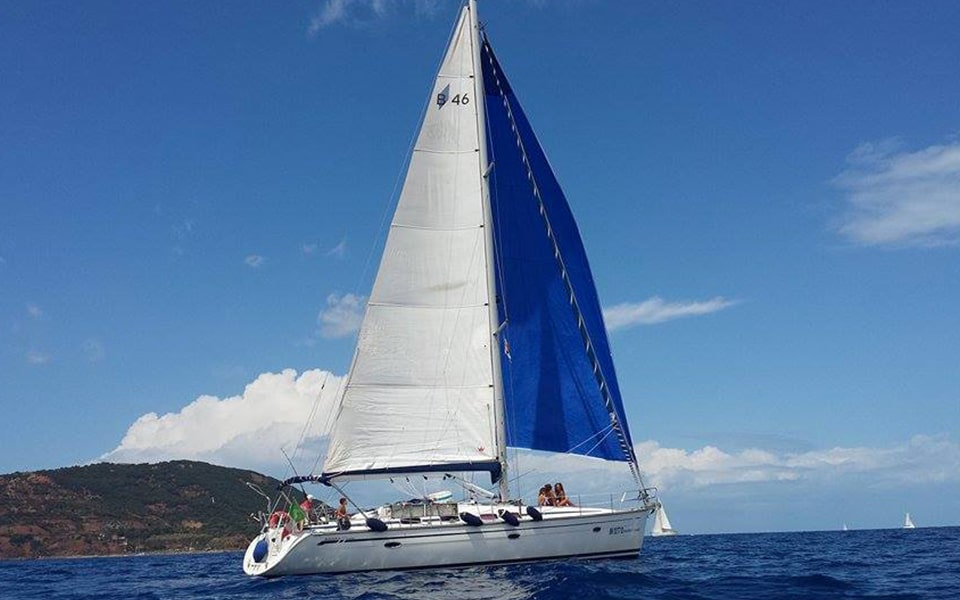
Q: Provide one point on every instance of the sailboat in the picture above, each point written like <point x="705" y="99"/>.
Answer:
<point x="661" y="523"/>
<point x="908" y="522"/>
<point x="483" y="331"/>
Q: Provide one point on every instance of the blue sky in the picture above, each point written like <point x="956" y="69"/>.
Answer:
<point x="193" y="199"/>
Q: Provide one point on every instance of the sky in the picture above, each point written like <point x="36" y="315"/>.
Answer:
<point x="193" y="197"/>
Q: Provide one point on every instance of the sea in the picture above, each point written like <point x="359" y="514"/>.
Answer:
<point x="888" y="564"/>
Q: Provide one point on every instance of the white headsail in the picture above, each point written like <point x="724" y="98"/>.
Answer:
<point x="420" y="394"/>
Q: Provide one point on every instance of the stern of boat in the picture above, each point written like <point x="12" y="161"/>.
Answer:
<point x="266" y="551"/>
<point x="255" y="558"/>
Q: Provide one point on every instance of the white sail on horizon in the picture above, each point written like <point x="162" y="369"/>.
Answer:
<point x="661" y="523"/>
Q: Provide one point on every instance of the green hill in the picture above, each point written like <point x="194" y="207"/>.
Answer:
<point x="114" y="509"/>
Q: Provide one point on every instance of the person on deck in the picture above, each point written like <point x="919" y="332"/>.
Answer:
<point x="307" y="506"/>
<point x="551" y="497"/>
<point x="343" y="519"/>
<point x="562" y="499"/>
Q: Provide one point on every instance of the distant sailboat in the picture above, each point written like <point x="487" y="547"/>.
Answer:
<point x="845" y="527"/>
<point x="661" y="523"/>
<point x="908" y="522"/>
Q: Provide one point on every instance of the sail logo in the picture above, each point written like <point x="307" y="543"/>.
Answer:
<point x="459" y="99"/>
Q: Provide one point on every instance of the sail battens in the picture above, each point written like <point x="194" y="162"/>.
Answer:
<point x="434" y="228"/>
<point x="445" y="386"/>
<point x="411" y="305"/>
<point x="429" y="151"/>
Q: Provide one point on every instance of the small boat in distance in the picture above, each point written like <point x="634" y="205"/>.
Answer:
<point x="845" y="527"/>
<point x="908" y="522"/>
<point x="661" y="523"/>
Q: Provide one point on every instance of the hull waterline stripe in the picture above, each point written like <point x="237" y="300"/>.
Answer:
<point x="628" y="554"/>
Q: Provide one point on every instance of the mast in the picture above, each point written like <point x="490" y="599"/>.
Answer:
<point x="498" y="404"/>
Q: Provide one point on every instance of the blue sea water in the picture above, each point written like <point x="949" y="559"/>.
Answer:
<point x="889" y="564"/>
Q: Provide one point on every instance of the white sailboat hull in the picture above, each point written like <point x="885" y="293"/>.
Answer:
<point x="562" y="534"/>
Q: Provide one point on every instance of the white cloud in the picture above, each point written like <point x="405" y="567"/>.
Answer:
<point x="678" y="472"/>
<point x="342" y="316"/>
<point x="184" y="228"/>
<point x="338" y="251"/>
<point x="34" y="311"/>
<point x="93" y="350"/>
<point x="656" y="310"/>
<point x="360" y="12"/>
<point x="924" y="459"/>
<point x="330" y="12"/>
<point x="254" y="261"/>
<point x="714" y="489"/>
<point x="901" y="198"/>
<point x="427" y="7"/>
<point x="35" y="357"/>
<point x="249" y="430"/>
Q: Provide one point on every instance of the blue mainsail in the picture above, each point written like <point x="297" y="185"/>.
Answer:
<point x="560" y="387"/>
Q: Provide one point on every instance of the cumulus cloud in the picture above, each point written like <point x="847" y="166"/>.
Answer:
<point x="342" y="316"/>
<point x="923" y="459"/>
<point x="254" y="261"/>
<point x="275" y="411"/>
<point x="901" y="198"/>
<point x="715" y="488"/>
<point x="656" y="310"/>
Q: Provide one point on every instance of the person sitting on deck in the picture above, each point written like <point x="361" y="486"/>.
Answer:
<point x="343" y="519"/>
<point x="551" y="497"/>
<point x="542" y="496"/>
<point x="562" y="499"/>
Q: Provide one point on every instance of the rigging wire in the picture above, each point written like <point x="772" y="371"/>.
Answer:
<point x="338" y="398"/>
<point x="311" y="416"/>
